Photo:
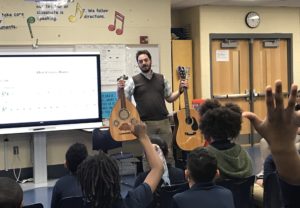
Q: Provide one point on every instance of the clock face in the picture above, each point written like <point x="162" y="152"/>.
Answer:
<point x="252" y="19"/>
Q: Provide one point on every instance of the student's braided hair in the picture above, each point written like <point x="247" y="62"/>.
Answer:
<point x="100" y="180"/>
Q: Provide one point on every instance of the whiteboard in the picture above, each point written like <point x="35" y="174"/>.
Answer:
<point x="42" y="89"/>
<point x="117" y="60"/>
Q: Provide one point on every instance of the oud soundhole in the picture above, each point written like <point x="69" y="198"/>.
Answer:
<point x="133" y="121"/>
<point x="116" y="123"/>
<point x="124" y="114"/>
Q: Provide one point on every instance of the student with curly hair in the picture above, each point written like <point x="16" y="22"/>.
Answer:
<point x="100" y="180"/>
<point x="220" y="126"/>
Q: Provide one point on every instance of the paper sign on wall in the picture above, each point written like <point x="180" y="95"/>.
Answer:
<point x="222" y="55"/>
<point x="109" y="100"/>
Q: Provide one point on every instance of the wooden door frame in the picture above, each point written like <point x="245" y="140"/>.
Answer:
<point x="250" y="37"/>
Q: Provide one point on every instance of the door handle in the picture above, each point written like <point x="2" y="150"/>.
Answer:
<point x="227" y="96"/>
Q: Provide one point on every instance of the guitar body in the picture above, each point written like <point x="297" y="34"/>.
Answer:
<point x="188" y="135"/>
<point x="120" y="118"/>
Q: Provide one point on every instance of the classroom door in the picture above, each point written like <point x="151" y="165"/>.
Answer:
<point x="241" y="69"/>
<point x="269" y="64"/>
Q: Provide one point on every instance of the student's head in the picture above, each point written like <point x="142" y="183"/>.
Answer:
<point x="75" y="155"/>
<point x="209" y="104"/>
<point x="100" y="180"/>
<point x="201" y="166"/>
<point x="221" y="122"/>
<point x="155" y="139"/>
<point x="11" y="194"/>
<point x="144" y="60"/>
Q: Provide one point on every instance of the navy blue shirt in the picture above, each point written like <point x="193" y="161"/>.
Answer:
<point x="206" y="195"/>
<point x="66" y="186"/>
<point x="140" y="197"/>
<point x="290" y="194"/>
<point x="176" y="176"/>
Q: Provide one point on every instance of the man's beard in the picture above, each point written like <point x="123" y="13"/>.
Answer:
<point x="145" y="68"/>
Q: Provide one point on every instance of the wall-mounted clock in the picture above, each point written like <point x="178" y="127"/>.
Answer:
<point x="252" y="19"/>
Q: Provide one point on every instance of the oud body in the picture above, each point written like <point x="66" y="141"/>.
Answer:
<point x="122" y="116"/>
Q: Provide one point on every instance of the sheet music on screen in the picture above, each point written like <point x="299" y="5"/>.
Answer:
<point x="49" y="89"/>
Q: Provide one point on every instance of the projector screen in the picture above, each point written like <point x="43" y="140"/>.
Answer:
<point x="45" y="92"/>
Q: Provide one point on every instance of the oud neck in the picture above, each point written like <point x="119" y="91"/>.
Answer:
<point x="186" y="102"/>
<point x="121" y="94"/>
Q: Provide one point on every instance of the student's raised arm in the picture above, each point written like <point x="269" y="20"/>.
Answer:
<point x="156" y="165"/>
<point x="279" y="128"/>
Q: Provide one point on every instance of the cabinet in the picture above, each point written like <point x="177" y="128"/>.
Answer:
<point x="182" y="55"/>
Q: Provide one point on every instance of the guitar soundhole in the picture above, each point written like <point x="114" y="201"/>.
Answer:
<point x="192" y="122"/>
<point x="189" y="120"/>
<point x="124" y="114"/>
<point x="195" y="125"/>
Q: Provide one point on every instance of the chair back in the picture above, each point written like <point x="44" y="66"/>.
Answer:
<point x="71" y="202"/>
<point x="272" y="192"/>
<point x="242" y="190"/>
<point x="163" y="196"/>
<point x="37" y="205"/>
<point x="103" y="140"/>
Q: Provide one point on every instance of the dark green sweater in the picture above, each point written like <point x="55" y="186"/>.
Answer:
<point x="234" y="162"/>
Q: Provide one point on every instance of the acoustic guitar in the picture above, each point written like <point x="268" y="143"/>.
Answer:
<point x="188" y="135"/>
<point x="123" y="114"/>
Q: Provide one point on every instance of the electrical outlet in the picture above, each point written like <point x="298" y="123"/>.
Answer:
<point x="16" y="150"/>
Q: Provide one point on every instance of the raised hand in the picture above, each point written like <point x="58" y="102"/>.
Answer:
<point x="139" y="130"/>
<point x="279" y="128"/>
<point x="281" y="124"/>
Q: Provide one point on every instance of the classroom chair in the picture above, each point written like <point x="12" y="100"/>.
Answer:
<point x="272" y="192"/>
<point x="36" y="205"/>
<point x="242" y="190"/>
<point x="102" y="140"/>
<point x="72" y="202"/>
<point x="163" y="196"/>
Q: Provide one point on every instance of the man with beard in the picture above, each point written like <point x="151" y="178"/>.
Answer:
<point x="150" y="90"/>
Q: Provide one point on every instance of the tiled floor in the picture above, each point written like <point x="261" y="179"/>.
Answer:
<point x="42" y="192"/>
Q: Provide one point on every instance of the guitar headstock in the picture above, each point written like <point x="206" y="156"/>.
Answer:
<point x="123" y="77"/>
<point x="182" y="72"/>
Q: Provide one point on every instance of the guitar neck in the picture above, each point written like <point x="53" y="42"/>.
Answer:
<point x="186" y="102"/>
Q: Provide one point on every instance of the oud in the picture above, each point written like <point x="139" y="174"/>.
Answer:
<point x="188" y="135"/>
<point x="122" y="116"/>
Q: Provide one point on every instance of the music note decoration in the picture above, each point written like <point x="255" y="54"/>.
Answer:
<point x="73" y="18"/>
<point x="112" y="27"/>
<point x="30" y="20"/>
